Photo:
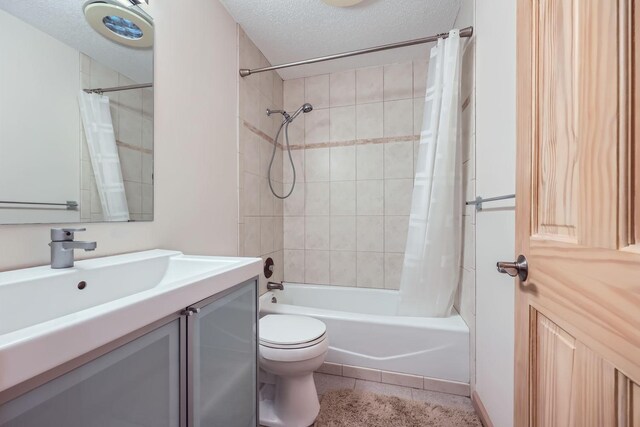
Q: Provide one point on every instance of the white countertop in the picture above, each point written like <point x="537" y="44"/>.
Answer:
<point x="46" y="320"/>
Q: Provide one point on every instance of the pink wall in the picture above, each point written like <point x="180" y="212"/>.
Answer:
<point x="195" y="146"/>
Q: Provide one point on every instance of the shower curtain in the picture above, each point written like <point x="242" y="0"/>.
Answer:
<point x="431" y="269"/>
<point x="101" y="140"/>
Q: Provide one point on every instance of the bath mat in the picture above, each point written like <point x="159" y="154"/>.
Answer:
<point x="352" y="408"/>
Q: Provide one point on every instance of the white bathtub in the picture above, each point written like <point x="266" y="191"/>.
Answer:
<point x="364" y="330"/>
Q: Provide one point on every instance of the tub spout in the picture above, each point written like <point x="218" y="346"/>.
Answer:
<point x="272" y="286"/>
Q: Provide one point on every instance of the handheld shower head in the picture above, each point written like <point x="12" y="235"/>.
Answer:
<point x="305" y="108"/>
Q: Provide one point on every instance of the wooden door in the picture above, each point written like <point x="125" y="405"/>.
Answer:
<point x="578" y="213"/>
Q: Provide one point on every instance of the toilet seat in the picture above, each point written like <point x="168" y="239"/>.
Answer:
<point x="289" y="331"/>
<point x="293" y="346"/>
<point x="295" y="354"/>
<point x="289" y="338"/>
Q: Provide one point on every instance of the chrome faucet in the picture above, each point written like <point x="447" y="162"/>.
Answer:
<point x="62" y="246"/>
<point x="271" y="286"/>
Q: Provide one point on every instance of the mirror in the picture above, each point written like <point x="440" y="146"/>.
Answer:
<point x="76" y="111"/>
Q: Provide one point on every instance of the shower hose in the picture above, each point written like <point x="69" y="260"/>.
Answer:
<point x="285" y="125"/>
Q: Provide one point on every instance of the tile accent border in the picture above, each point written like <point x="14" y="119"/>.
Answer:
<point x="270" y="140"/>
<point x="480" y="410"/>
<point x="133" y="147"/>
<point x="408" y="138"/>
<point x="258" y="132"/>
<point x="397" y="378"/>
<point x="466" y="103"/>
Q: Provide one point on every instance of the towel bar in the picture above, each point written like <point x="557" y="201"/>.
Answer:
<point x="479" y="200"/>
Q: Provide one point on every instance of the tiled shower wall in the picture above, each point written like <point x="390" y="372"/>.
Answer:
<point x="346" y="223"/>
<point x="260" y="213"/>
<point x="132" y="116"/>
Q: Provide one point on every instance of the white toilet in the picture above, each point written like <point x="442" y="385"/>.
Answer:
<point x="291" y="349"/>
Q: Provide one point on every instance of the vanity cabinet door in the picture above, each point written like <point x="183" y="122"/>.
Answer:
<point x="223" y="360"/>
<point x="137" y="384"/>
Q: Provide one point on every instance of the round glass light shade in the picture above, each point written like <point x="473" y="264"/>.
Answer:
<point x="342" y="3"/>
<point x="122" y="27"/>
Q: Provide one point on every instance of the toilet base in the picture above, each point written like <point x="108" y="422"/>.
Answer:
<point x="290" y="402"/>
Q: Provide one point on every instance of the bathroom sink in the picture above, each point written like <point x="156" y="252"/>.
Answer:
<point x="48" y="317"/>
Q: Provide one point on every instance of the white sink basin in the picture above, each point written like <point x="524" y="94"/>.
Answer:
<point x="46" y="319"/>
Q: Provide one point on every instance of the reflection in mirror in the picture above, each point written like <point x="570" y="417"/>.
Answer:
<point x="76" y="111"/>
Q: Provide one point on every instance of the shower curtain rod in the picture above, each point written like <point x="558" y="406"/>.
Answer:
<point x="118" y="88"/>
<point x="465" y="32"/>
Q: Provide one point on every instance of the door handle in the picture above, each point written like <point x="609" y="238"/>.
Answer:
<point x="519" y="268"/>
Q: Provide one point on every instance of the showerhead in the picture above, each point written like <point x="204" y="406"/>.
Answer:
<point x="305" y="108"/>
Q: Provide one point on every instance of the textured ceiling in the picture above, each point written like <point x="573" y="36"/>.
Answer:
<point x="64" y="20"/>
<point x="293" y="30"/>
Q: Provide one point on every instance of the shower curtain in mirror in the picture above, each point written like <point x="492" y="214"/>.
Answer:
<point x="101" y="140"/>
<point x="431" y="269"/>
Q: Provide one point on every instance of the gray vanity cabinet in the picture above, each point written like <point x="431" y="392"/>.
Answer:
<point x="223" y="349"/>
<point x="137" y="384"/>
<point x="196" y="368"/>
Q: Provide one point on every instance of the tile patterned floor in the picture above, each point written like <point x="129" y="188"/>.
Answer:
<point x="326" y="383"/>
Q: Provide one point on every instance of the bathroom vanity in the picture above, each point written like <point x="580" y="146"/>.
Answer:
<point x="153" y="339"/>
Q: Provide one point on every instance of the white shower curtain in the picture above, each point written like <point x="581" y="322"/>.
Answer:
<point x="431" y="269"/>
<point x="101" y="140"/>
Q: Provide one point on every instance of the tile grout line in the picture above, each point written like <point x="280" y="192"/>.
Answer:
<point x="424" y="379"/>
<point x="383" y="253"/>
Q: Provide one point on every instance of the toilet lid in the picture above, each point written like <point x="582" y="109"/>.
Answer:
<point x="286" y="329"/>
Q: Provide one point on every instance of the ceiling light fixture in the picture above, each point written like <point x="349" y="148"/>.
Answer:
<point x="342" y="3"/>
<point x="125" y="25"/>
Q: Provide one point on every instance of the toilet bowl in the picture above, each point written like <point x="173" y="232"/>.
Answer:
<point x="291" y="349"/>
